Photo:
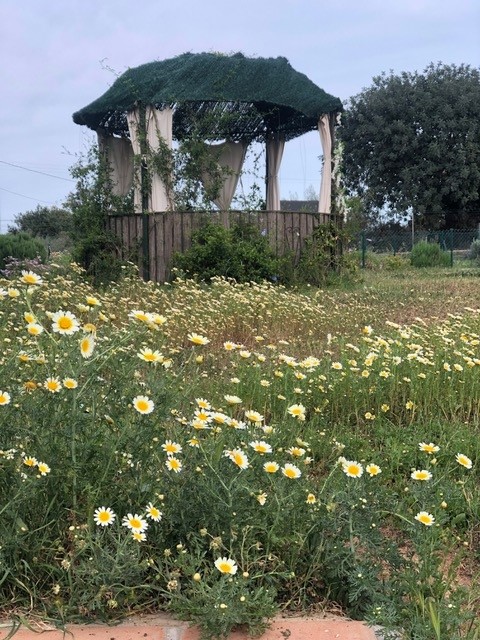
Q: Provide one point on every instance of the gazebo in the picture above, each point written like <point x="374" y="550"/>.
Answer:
<point x="265" y="100"/>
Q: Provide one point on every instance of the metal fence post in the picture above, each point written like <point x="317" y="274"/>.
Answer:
<point x="364" y="248"/>
<point x="450" y="233"/>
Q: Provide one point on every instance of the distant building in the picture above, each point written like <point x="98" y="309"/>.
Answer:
<point x="306" y="206"/>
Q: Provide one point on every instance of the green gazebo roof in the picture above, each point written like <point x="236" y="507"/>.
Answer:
<point x="258" y="96"/>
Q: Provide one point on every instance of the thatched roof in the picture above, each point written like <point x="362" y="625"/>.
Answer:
<point x="258" y="95"/>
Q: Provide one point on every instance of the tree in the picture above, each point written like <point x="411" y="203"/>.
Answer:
<point x="94" y="247"/>
<point x="412" y="144"/>
<point x="44" y="222"/>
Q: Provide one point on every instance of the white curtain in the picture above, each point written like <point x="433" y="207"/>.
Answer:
<point x="133" y="120"/>
<point x="228" y="155"/>
<point x="325" y="128"/>
<point x="159" y="127"/>
<point x="119" y="155"/>
<point x="274" y="149"/>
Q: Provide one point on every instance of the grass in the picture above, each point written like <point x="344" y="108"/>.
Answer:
<point x="227" y="451"/>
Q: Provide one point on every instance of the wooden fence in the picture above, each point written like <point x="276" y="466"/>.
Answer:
<point x="153" y="239"/>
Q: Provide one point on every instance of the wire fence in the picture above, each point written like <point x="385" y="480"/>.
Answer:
<point x="457" y="242"/>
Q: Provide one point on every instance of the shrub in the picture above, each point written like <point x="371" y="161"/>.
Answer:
<point x="429" y="254"/>
<point x="20" y="246"/>
<point x="474" y="253"/>
<point x="323" y="259"/>
<point x="241" y="253"/>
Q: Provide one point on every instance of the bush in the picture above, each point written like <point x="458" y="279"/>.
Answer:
<point x="20" y="246"/>
<point x="240" y="252"/>
<point x="429" y="254"/>
<point x="323" y="259"/>
<point x="474" y="253"/>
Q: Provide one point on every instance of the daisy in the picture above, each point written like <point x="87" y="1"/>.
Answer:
<point x="92" y="301"/>
<point x="238" y="457"/>
<point x="428" y="448"/>
<point x="174" y="464"/>
<point x="150" y="356"/>
<point x="43" y="468"/>
<point x="171" y="447"/>
<point x="200" y="424"/>
<point x="421" y="474"/>
<point x="229" y="346"/>
<point x="311" y="499"/>
<point x="253" y="416"/>
<point x="197" y="339"/>
<point x="296" y="452"/>
<point x="52" y="384"/>
<point x="373" y="469"/>
<point x="140" y="315"/>
<point x="231" y="400"/>
<point x="139" y="536"/>
<point x="297" y="411"/>
<point x="226" y="565"/>
<point x="291" y="471"/>
<point x="30" y="461"/>
<point x="260" y="446"/>
<point x="464" y="461"/>
<point x="220" y="418"/>
<point x="64" y="322"/>
<point x="271" y="467"/>
<point x="203" y="404"/>
<point x="4" y="398"/>
<point x="143" y="404"/>
<point x="103" y="516"/>
<point x="262" y="498"/>
<point x="70" y="383"/>
<point x="157" y="320"/>
<point x="34" y="329"/>
<point x="425" y="518"/>
<point x="135" y="522"/>
<point x="28" y="277"/>
<point x="203" y="415"/>
<point x="352" y="469"/>
<point x="153" y="513"/>
<point x="29" y="317"/>
<point x="87" y="345"/>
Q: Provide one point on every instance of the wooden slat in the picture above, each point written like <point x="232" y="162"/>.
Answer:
<point x="159" y="241"/>
<point x="167" y="243"/>
<point x="171" y="232"/>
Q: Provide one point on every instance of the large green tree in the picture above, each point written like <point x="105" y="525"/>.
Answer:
<point x="412" y="144"/>
<point x="45" y="222"/>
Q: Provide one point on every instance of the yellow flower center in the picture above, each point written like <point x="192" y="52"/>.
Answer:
<point x="65" y="323"/>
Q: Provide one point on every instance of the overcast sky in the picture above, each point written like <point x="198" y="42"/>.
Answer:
<point x="58" y="56"/>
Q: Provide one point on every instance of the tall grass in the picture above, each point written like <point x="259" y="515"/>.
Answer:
<point x="227" y="451"/>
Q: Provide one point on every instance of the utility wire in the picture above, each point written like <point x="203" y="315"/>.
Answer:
<point x="50" y="175"/>
<point x="23" y="196"/>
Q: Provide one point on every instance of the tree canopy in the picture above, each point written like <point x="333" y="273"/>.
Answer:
<point x="412" y="144"/>
<point x="44" y="222"/>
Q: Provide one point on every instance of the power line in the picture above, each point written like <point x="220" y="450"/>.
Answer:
<point x="23" y="196"/>
<point x="50" y="175"/>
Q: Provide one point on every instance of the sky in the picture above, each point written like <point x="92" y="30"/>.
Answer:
<point x="57" y="57"/>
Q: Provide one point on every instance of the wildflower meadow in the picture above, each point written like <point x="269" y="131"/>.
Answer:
<point x="228" y="451"/>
